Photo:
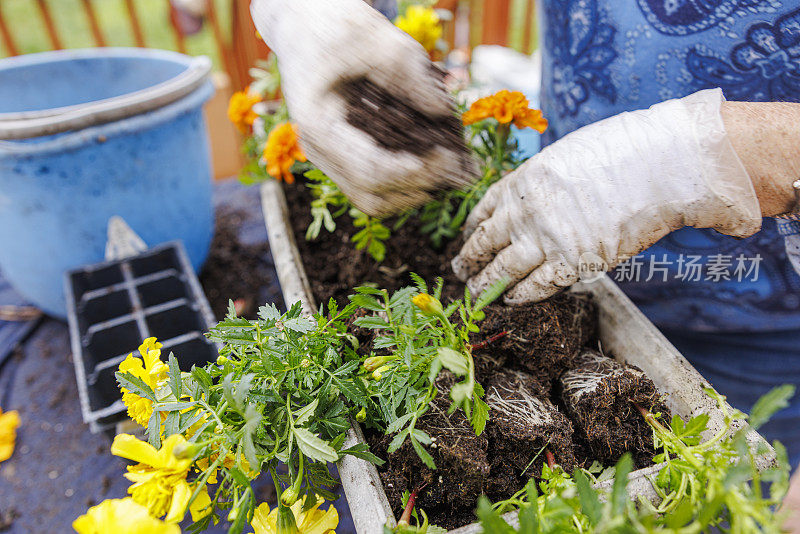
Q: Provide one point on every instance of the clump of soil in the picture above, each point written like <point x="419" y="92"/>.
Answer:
<point x="447" y="494"/>
<point x="523" y="426"/>
<point x="543" y="338"/>
<point x="395" y="124"/>
<point x="521" y="429"/>
<point x="599" y="394"/>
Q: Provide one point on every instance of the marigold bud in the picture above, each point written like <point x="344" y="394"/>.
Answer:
<point x="289" y="496"/>
<point x="373" y="362"/>
<point x="305" y="363"/>
<point x="361" y="416"/>
<point x="222" y="360"/>
<point x="233" y="513"/>
<point x="428" y="304"/>
<point x="377" y="374"/>
<point x="185" y="450"/>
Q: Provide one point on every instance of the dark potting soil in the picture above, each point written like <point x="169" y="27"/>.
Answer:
<point x="236" y="269"/>
<point x="542" y="338"/>
<point x="395" y="124"/>
<point x="520" y="354"/>
<point x="334" y="267"/>
<point x="447" y="494"/>
<point x="599" y="394"/>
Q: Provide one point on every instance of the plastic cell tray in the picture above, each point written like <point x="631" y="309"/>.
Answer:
<point x="113" y="306"/>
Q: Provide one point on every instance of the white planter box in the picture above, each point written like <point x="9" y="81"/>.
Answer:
<point x="623" y="330"/>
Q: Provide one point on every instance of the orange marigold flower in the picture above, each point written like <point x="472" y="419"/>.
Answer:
<point x="240" y="110"/>
<point x="506" y="107"/>
<point x="282" y="151"/>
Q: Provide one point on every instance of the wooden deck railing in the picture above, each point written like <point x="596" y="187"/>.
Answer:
<point x="488" y="22"/>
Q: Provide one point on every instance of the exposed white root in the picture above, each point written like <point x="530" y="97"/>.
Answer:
<point x="592" y="369"/>
<point x="532" y="410"/>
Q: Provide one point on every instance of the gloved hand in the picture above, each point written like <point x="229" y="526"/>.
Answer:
<point x="372" y="110"/>
<point x="606" y="192"/>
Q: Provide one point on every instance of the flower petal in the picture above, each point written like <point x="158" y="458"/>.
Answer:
<point x="201" y="506"/>
<point x="180" y="498"/>
<point x="265" y="521"/>
<point x="132" y="448"/>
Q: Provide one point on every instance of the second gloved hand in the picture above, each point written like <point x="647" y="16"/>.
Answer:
<point x="606" y="192"/>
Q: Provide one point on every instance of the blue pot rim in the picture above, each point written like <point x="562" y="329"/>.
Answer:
<point x="134" y="123"/>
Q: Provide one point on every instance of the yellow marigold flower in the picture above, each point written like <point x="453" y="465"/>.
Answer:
<point x="9" y="422"/>
<point x="313" y="521"/>
<point x="121" y="516"/>
<point x="240" y="110"/>
<point x="421" y="23"/>
<point x="506" y="107"/>
<point x="427" y="304"/>
<point x="230" y="461"/>
<point x="151" y="370"/>
<point x="159" y="479"/>
<point x="281" y="152"/>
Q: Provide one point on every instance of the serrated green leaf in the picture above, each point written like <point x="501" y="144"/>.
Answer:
<point x="304" y="414"/>
<point x="367" y="302"/>
<point x="480" y="414"/>
<point x="453" y="360"/>
<point x="174" y="376"/>
<point x="136" y="385"/>
<point x="300" y="324"/>
<point x="313" y="446"/>
<point x="398" y="423"/>
<point x="770" y="403"/>
<point x="424" y="455"/>
<point x="361" y="450"/>
<point x="269" y="312"/>
<point x="371" y="322"/>
<point x="619" y="493"/>
<point x="397" y="441"/>
<point x="154" y="430"/>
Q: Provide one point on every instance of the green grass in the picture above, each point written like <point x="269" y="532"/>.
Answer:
<point x="24" y="20"/>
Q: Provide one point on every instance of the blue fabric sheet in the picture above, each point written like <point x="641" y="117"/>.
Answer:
<point x="603" y="57"/>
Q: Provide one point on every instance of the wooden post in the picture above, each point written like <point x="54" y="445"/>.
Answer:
<point x="495" y="22"/>
<point x="247" y="45"/>
<point x="52" y="33"/>
<point x="93" y="24"/>
<point x="135" y="26"/>
<point x="8" y="39"/>
<point x="527" y="34"/>
<point x="180" y="40"/>
<point x="219" y="38"/>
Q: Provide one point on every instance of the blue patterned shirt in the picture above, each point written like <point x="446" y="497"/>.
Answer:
<point x="603" y="57"/>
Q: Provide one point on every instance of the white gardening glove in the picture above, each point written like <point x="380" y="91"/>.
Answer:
<point x="606" y="192"/>
<point x="372" y="110"/>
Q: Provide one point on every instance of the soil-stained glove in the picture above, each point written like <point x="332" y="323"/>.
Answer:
<point x="372" y="110"/>
<point x="604" y="193"/>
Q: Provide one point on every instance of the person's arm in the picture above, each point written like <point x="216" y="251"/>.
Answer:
<point x="609" y="190"/>
<point x="766" y="137"/>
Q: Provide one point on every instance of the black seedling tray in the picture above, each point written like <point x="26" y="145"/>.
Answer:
<point x="113" y="306"/>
